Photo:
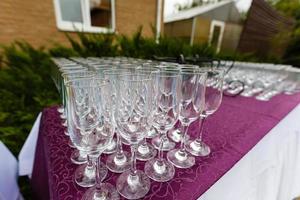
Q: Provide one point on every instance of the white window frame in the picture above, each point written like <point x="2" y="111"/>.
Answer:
<point x="85" y="26"/>
<point x="221" y="24"/>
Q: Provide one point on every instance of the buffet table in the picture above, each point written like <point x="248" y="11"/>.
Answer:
<point x="255" y="153"/>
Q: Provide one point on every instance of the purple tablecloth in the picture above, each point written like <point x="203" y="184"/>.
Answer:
<point x="231" y="132"/>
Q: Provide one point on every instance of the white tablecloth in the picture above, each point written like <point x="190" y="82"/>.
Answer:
<point x="26" y="155"/>
<point x="270" y="171"/>
<point x="9" y="189"/>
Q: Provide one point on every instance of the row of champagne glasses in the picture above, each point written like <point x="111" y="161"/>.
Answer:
<point x="141" y="96"/>
<point x="261" y="80"/>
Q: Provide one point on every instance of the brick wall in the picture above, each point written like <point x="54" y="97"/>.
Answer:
<point x="34" y="20"/>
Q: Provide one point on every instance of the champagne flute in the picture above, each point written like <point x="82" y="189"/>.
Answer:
<point x="192" y="80"/>
<point x="213" y="99"/>
<point x="85" y="126"/>
<point x="133" y="110"/>
<point x="166" y="115"/>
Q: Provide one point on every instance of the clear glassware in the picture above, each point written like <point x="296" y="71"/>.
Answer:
<point x="99" y="68"/>
<point x="192" y="90"/>
<point x="100" y="136"/>
<point x="69" y="69"/>
<point x="87" y="128"/>
<point x="213" y="99"/>
<point x="176" y="134"/>
<point x="77" y="156"/>
<point x="165" y="117"/>
<point x="120" y="161"/>
<point x="133" y="109"/>
<point x="156" y="141"/>
<point x="146" y="151"/>
<point x="151" y="133"/>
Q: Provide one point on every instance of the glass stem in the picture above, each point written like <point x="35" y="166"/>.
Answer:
<point x="144" y="142"/>
<point x="119" y="143"/>
<point x="62" y="92"/>
<point x="82" y="153"/>
<point x="161" y="145"/>
<point x="182" y="142"/>
<point x="90" y="162"/>
<point x="63" y="97"/>
<point x="200" y="128"/>
<point x="98" y="179"/>
<point x="133" y="156"/>
<point x="98" y="193"/>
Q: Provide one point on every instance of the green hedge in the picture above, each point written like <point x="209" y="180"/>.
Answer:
<point x="25" y="88"/>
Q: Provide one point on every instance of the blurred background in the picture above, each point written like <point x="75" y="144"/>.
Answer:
<point x="33" y="31"/>
<point x="267" y="30"/>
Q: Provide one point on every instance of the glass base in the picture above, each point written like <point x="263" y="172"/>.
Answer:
<point x="133" y="186"/>
<point x="63" y="116"/>
<point x="145" y="152"/>
<point x="119" y="164"/>
<point x="197" y="148"/>
<point x="176" y="135"/>
<point x="106" y="192"/>
<point x="70" y="143"/>
<point x="167" y="146"/>
<point x="66" y="133"/>
<point x="60" y="109"/>
<point x="124" y="141"/>
<point x="78" y="157"/>
<point x="65" y="123"/>
<point x="151" y="133"/>
<point x="180" y="158"/>
<point x="159" y="170"/>
<point x="111" y="148"/>
<point x="85" y="177"/>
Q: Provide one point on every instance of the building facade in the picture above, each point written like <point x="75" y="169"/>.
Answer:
<point x="44" y="22"/>
<point x="218" y="24"/>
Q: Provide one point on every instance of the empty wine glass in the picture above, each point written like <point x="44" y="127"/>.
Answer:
<point x="99" y="68"/>
<point x="213" y="99"/>
<point x="77" y="156"/>
<point x="151" y="133"/>
<point x="86" y="127"/>
<point x="69" y="69"/>
<point x="101" y="136"/>
<point x="192" y="90"/>
<point x="146" y="151"/>
<point x="176" y="134"/>
<point x="133" y="109"/>
<point x="166" y="115"/>
<point x="156" y="141"/>
<point x="119" y="161"/>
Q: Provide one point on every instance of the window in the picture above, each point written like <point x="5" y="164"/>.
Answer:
<point x="216" y="34"/>
<point x="95" y="16"/>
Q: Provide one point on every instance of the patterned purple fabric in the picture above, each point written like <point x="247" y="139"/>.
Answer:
<point x="231" y="132"/>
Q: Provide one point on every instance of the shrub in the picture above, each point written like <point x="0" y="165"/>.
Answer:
<point x="25" y="89"/>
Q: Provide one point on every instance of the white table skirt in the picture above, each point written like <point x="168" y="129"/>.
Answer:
<point x="26" y="155"/>
<point x="270" y="171"/>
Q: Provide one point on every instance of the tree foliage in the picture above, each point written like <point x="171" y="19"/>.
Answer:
<point x="291" y="8"/>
